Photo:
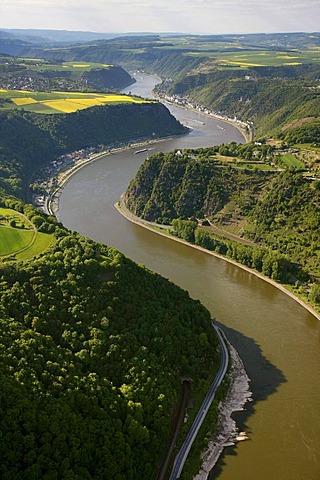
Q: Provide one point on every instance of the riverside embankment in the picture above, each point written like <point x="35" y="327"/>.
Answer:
<point x="164" y="231"/>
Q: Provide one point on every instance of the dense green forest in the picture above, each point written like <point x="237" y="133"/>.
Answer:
<point x="93" y="348"/>
<point x="44" y="137"/>
<point x="266" y="219"/>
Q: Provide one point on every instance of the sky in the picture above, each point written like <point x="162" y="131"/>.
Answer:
<point x="186" y="16"/>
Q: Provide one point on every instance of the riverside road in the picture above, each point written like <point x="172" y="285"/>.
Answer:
<point x="185" y="449"/>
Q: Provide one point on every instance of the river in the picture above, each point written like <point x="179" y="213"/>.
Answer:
<point x="278" y="340"/>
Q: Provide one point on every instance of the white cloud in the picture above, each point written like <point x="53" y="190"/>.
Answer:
<point x="199" y="16"/>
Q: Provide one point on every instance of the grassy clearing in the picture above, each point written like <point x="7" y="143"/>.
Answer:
<point x="243" y="164"/>
<point x="41" y="243"/>
<point x="12" y="240"/>
<point x="61" y="102"/>
<point x="20" y="240"/>
<point x="290" y="160"/>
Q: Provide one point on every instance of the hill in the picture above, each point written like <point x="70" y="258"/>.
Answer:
<point x="269" y="98"/>
<point x="42" y="75"/>
<point x="94" y="349"/>
<point x="266" y="219"/>
<point x="42" y="138"/>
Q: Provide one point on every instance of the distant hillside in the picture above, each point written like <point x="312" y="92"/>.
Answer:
<point x="56" y="36"/>
<point x="40" y="75"/>
<point x="270" y="97"/>
<point x="270" y="80"/>
<point x="43" y="137"/>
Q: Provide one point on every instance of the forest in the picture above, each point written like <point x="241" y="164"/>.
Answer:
<point x="273" y="216"/>
<point x="93" y="348"/>
<point x="44" y="137"/>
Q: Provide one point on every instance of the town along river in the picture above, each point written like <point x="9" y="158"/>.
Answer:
<point x="277" y="339"/>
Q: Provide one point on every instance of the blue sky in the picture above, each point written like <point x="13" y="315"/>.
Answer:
<point x="191" y="16"/>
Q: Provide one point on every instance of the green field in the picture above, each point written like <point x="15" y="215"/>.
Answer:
<point x="60" y="102"/>
<point x="41" y="243"/>
<point x="244" y="58"/>
<point x="40" y="65"/>
<point x="292" y="161"/>
<point x="12" y="240"/>
<point x="22" y="241"/>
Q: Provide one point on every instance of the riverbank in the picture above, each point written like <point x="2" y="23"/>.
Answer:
<point x="239" y="391"/>
<point x="51" y="205"/>
<point x="245" y="129"/>
<point x="238" y="395"/>
<point x="164" y="231"/>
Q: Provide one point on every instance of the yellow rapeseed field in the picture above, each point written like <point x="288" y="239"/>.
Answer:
<point x="243" y="64"/>
<point x="23" y="100"/>
<point x="286" y="56"/>
<point x="85" y="102"/>
<point x="65" y="106"/>
<point x="66" y="102"/>
<point x="120" y="98"/>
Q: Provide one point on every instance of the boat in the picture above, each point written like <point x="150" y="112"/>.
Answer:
<point x="242" y="436"/>
<point x="140" y="151"/>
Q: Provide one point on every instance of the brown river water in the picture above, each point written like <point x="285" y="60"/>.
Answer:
<point x="277" y="339"/>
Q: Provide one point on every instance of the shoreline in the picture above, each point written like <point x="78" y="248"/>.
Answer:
<point x="239" y="392"/>
<point x="248" y="136"/>
<point x="226" y="431"/>
<point x="148" y="225"/>
<point x="51" y="206"/>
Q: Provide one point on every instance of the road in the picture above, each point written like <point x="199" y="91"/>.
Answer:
<point x="185" y="449"/>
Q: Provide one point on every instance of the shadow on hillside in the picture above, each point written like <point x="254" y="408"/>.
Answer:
<point x="265" y="378"/>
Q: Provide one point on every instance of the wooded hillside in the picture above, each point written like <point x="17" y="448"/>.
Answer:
<point x="266" y="219"/>
<point x="93" y="349"/>
<point x="44" y="137"/>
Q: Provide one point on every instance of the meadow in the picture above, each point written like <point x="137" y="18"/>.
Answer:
<point x="243" y="58"/>
<point x="60" y="102"/>
<point x="289" y="160"/>
<point x="41" y="65"/>
<point x="19" y="238"/>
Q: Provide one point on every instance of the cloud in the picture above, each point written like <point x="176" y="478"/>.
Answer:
<point x="198" y="16"/>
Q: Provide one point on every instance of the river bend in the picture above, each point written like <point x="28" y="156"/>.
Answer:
<point x="278" y="340"/>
